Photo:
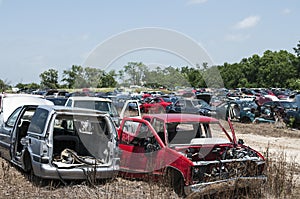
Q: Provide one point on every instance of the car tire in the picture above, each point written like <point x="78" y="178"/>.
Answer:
<point x="245" y="120"/>
<point x="176" y="182"/>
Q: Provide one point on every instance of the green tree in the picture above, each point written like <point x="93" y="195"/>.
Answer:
<point x="93" y="76"/>
<point x="273" y="69"/>
<point x="74" y="77"/>
<point x="108" y="79"/>
<point x="276" y="68"/>
<point x="135" y="71"/>
<point x="297" y="49"/>
<point x="193" y="76"/>
<point x="3" y="86"/>
<point x="49" y="79"/>
<point x="231" y="74"/>
<point x="28" y="87"/>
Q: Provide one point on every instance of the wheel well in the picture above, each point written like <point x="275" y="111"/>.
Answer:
<point x="175" y="179"/>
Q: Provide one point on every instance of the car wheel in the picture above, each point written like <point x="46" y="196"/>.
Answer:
<point x="245" y="120"/>
<point x="175" y="181"/>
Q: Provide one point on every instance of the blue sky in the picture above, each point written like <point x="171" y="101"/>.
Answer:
<point x="38" y="35"/>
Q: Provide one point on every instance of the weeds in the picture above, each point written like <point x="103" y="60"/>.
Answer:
<point x="281" y="175"/>
<point x="281" y="172"/>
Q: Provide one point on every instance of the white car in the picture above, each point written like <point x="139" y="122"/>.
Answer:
<point x="9" y="102"/>
<point x="95" y="103"/>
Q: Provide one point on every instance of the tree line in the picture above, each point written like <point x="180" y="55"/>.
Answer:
<point x="272" y="69"/>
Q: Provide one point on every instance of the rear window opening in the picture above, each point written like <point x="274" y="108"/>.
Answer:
<point x="80" y="140"/>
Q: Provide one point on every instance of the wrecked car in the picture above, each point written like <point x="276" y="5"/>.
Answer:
<point x="56" y="142"/>
<point x="243" y="110"/>
<point x="193" y="106"/>
<point x="95" y="103"/>
<point x="156" y="105"/>
<point x="292" y="117"/>
<point x="192" y="152"/>
<point x="9" y="102"/>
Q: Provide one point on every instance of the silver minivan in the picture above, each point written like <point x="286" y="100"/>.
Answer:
<point x="56" y="142"/>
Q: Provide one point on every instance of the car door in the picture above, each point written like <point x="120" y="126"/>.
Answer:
<point x="133" y="157"/>
<point x="5" y="133"/>
<point x="20" y="132"/>
<point x="137" y="140"/>
<point x="128" y="111"/>
<point x="34" y="136"/>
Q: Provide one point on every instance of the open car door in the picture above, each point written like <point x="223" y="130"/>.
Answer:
<point x="137" y="140"/>
<point x="131" y="109"/>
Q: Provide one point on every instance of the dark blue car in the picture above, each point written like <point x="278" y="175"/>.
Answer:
<point x="194" y="106"/>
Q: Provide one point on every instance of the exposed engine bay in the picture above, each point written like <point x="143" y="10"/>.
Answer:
<point x="224" y="162"/>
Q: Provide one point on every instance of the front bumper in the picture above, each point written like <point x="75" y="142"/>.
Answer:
<point x="226" y="184"/>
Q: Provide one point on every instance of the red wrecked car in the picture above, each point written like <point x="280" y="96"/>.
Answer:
<point x="156" y="105"/>
<point x="191" y="151"/>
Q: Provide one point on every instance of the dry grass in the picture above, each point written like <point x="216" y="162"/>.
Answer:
<point x="15" y="184"/>
<point x="282" y="176"/>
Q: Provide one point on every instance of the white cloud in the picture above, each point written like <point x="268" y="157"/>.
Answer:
<point x="237" y="37"/>
<point x="190" y="2"/>
<point x="286" y="11"/>
<point x="248" y="22"/>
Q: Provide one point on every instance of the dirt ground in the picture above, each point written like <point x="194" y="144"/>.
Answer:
<point x="14" y="184"/>
<point x="263" y="136"/>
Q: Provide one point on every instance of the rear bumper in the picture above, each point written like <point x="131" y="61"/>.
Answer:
<point x="83" y="172"/>
<point x="227" y="184"/>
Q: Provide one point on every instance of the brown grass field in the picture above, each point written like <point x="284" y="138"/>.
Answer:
<point x="280" y="146"/>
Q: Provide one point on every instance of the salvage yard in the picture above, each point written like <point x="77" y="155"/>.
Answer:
<point x="14" y="184"/>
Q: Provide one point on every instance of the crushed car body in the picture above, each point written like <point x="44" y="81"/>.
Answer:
<point x="56" y="142"/>
<point x="192" y="151"/>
